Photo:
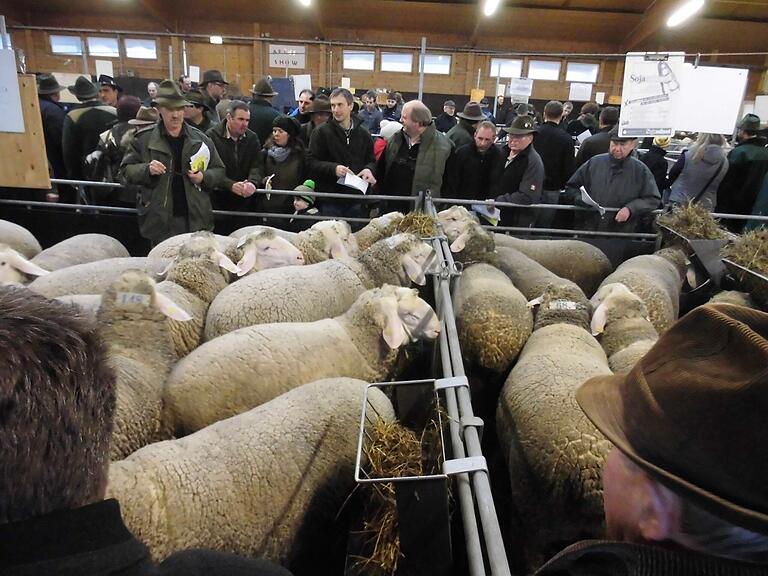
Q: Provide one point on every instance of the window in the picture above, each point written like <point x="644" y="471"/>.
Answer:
<point x="581" y="72"/>
<point x="66" y="45"/>
<point x="544" y="70"/>
<point x="396" y="62"/>
<point x="140" y="48"/>
<point x="357" y="60"/>
<point x="506" y="68"/>
<point x="437" y="64"/>
<point x="98" y="46"/>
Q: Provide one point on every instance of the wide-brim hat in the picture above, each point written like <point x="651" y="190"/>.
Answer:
<point x="691" y="413"/>
<point x="750" y="123"/>
<point x="84" y="89"/>
<point x="472" y="112"/>
<point x="47" y="84"/>
<point x="196" y="97"/>
<point x="170" y="96"/>
<point x="212" y="76"/>
<point x="321" y="105"/>
<point x="105" y="80"/>
<point x="263" y="88"/>
<point x="144" y="116"/>
<point x="521" y="125"/>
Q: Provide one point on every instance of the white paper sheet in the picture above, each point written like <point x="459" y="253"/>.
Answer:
<point x="200" y="159"/>
<point x="104" y="67"/>
<point x="589" y="201"/>
<point x="301" y="82"/>
<point x="489" y="213"/>
<point x="346" y="83"/>
<point x="600" y="98"/>
<point x="520" y="87"/>
<point x="194" y="73"/>
<point x="703" y="85"/>
<point x="761" y="107"/>
<point x="580" y="92"/>
<point x="583" y="136"/>
<point x="353" y="181"/>
<point x="11" y="115"/>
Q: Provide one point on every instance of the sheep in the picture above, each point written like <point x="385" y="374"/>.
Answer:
<point x="250" y="366"/>
<point x="621" y="320"/>
<point x="93" y="277"/>
<point x="530" y="277"/>
<point x="266" y="249"/>
<point x="14" y="267"/>
<point x="323" y="290"/>
<point x="561" y="303"/>
<point x="492" y="318"/>
<point x="20" y="239"/>
<point x="132" y="321"/>
<point x="169" y="248"/>
<point x="326" y="239"/>
<point x="657" y="279"/>
<point x="735" y="298"/>
<point x="254" y="483"/>
<point x="554" y="454"/>
<point x="470" y="243"/>
<point x="378" y="229"/>
<point x="574" y="260"/>
<point x="80" y="249"/>
<point x="85" y="304"/>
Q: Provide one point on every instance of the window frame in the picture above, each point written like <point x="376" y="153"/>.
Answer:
<point x="97" y="55"/>
<point x="125" y="47"/>
<point x="438" y="55"/>
<point x="384" y="54"/>
<point x="359" y="52"/>
<point x="582" y="80"/>
<point x="559" y="70"/>
<point x="53" y="50"/>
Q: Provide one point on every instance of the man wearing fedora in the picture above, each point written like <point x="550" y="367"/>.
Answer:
<point x="173" y="198"/>
<point x="464" y="131"/>
<point x="109" y="90"/>
<point x="262" y="113"/>
<point x="196" y="114"/>
<point x="522" y="179"/>
<point x="319" y="115"/>
<point x="83" y="125"/>
<point x="747" y="166"/>
<point x="685" y="488"/>
<point x="53" y="114"/>
<point x="213" y="88"/>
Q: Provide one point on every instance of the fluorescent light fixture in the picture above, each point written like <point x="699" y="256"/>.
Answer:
<point x="684" y="12"/>
<point x="217" y="40"/>
<point x="305" y="2"/>
<point x="490" y="7"/>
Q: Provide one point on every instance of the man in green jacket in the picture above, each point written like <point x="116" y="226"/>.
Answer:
<point x="173" y="197"/>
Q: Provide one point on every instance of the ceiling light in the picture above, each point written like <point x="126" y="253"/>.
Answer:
<point x="684" y="12"/>
<point x="305" y="2"/>
<point x="217" y="40"/>
<point x="490" y="7"/>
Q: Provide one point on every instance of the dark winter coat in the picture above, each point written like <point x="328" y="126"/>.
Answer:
<point x="262" y="115"/>
<point x="204" y="126"/>
<point x="747" y="165"/>
<point x="599" y="143"/>
<point x="656" y="161"/>
<point x="694" y="176"/>
<point x="444" y="122"/>
<point x="210" y="112"/>
<point x="557" y="153"/>
<point x="474" y="176"/>
<point x="521" y="183"/>
<point x="586" y="122"/>
<point x="461" y="134"/>
<point x="288" y="174"/>
<point x="242" y="161"/>
<point x="391" y="113"/>
<point x="82" y="127"/>
<point x="53" y="115"/>
<point x="372" y="120"/>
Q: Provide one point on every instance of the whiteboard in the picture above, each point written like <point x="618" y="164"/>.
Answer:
<point x="761" y="108"/>
<point x="11" y="116"/>
<point x="711" y="99"/>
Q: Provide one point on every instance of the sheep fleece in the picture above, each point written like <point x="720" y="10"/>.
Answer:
<point x="245" y="368"/>
<point x="19" y="238"/>
<point x="249" y="484"/>
<point x="80" y="249"/>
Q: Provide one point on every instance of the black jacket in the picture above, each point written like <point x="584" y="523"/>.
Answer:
<point x="204" y="126"/>
<point x="521" y="183"/>
<point x="557" y="153"/>
<point x="599" y="143"/>
<point x="242" y="161"/>
<point x="474" y="176"/>
<point x="576" y="127"/>
<point x="93" y="541"/>
<point x="53" y="115"/>
<point x="330" y="147"/>
<point x="288" y="174"/>
<point x="657" y="164"/>
<point x="82" y="127"/>
<point x="262" y="115"/>
<point x="444" y="122"/>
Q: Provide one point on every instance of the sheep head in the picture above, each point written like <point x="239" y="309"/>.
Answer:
<point x="265" y="249"/>
<point x="203" y="245"/>
<point x="404" y="317"/>
<point x="454" y="219"/>
<point x="417" y="258"/>
<point x="614" y="301"/>
<point x="339" y="240"/>
<point x="13" y="267"/>
<point x="473" y="243"/>
<point x="134" y="292"/>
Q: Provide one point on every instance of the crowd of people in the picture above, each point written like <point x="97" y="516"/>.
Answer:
<point x="512" y="154"/>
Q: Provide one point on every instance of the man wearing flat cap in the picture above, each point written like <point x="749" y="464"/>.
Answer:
<point x="614" y="180"/>
<point x="213" y="87"/>
<point x="685" y="488"/>
<point x="464" y="131"/>
<point x="447" y="119"/>
<point x="53" y="114"/>
<point x="747" y="166"/>
<point x="262" y="113"/>
<point x="174" y="196"/>
<point x="196" y="114"/>
<point x="109" y="90"/>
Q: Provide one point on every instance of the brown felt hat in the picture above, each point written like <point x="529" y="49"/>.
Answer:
<point x="170" y="96"/>
<point x="472" y="112"/>
<point x="145" y="116"/>
<point x="692" y="411"/>
<point x="212" y="76"/>
<point x="321" y="105"/>
<point x="47" y="84"/>
<point x="263" y="88"/>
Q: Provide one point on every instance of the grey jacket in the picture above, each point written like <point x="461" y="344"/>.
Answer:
<point x="696" y="175"/>
<point x="613" y="183"/>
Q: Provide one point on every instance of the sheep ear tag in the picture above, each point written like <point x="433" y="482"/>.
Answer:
<point x="414" y="271"/>
<point x="599" y="318"/>
<point x="170" y="309"/>
<point x="460" y="242"/>
<point x="338" y="249"/>
<point x="248" y="261"/>
<point x="22" y="264"/>
<point x="226" y="263"/>
<point x="394" y="333"/>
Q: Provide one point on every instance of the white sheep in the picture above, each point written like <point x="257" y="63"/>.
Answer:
<point x="245" y="368"/>
<point x="169" y="248"/>
<point x="14" y="267"/>
<point x="252" y="484"/>
<point x="20" y="239"/>
<point x="80" y="249"/>
<point x="378" y="229"/>
<point x="248" y="230"/>
<point x="322" y="290"/>
<point x="132" y="321"/>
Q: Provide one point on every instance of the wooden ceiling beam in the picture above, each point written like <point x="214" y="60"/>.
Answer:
<point x="653" y="20"/>
<point x="159" y="11"/>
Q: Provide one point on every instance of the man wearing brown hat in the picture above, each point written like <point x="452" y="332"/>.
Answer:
<point x="747" y="166"/>
<point x="685" y="489"/>
<point x="262" y="113"/>
<point x="319" y="115"/>
<point x="53" y="114"/>
<point x="463" y="132"/>
<point x="614" y="180"/>
<point x="174" y="197"/>
<point x="196" y="114"/>
<point x="213" y="87"/>
<point x="83" y="125"/>
<point x="522" y="179"/>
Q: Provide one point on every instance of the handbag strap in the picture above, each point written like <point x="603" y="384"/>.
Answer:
<point x="707" y="185"/>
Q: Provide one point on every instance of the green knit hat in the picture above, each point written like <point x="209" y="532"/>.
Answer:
<point x="308" y="186"/>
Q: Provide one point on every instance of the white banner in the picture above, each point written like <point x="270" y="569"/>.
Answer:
<point x="11" y="115"/>
<point x="580" y="92"/>
<point x="287" y="56"/>
<point x="703" y="85"/>
<point x="520" y="87"/>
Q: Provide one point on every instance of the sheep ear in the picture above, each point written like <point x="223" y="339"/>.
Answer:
<point x="337" y="249"/>
<point x="226" y="263"/>
<point x="169" y="308"/>
<point x="22" y="264"/>
<point x="460" y="242"/>
<point x="242" y="240"/>
<point x="248" y="261"/>
<point x="599" y="318"/>
<point x="394" y="333"/>
<point x="536" y="301"/>
<point x="414" y="271"/>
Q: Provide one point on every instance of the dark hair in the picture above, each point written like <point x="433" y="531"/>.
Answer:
<point x="236" y="105"/>
<point x="127" y="108"/>
<point x="345" y="93"/>
<point x="57" y="399"/>
<point x="609" y="116"/>
<point x="553" y="109"/>
<point x="590" y="108"/>
<point x="181" y="78"/>
<point x="307" y="91"/>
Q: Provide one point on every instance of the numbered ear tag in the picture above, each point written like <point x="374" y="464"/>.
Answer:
<point x="563" y="305"/>
<point x="129" y="298"/>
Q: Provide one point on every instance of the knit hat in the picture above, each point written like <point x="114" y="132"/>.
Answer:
<point x="287" y="123"/>
<point x="307" y="186"/>
<point x="389" y="128"/>
<point x="661" y="141"/>
<point x="127" y="108"/>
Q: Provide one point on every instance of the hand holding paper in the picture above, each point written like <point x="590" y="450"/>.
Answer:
<point x="489" y="213"/>
<point x="199" y="161"/>
<point x="353" y="181"/>
<point x="589" y="201"/>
